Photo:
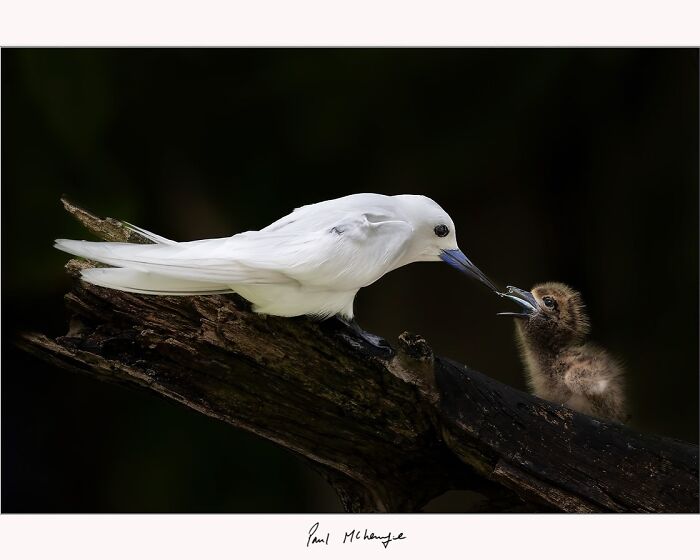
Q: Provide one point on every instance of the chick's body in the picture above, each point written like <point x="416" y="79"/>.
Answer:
<point x="585" y="378"/>
<point x="561" y="366"/>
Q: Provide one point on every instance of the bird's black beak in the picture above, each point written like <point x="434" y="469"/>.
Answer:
<point x="525" y="300"/>
<point x="459" y="260"/>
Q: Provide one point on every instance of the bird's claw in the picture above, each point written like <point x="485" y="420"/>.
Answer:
<point x="378" y="344"/>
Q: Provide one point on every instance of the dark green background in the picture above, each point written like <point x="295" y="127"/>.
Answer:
<point x="573" y="165"/>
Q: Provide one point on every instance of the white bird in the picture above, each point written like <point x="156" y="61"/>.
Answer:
<point x="311" y="262"/>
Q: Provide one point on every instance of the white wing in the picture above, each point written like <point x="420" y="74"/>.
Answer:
<point x="354" y="252"/>
<point x="324" y="215"/>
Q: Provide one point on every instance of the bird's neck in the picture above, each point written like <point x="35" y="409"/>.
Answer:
<point x="540" y="352"/>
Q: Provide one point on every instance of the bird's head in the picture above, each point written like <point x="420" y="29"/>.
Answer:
<point x="434" y="236"/>
<point x="552" y="312"/>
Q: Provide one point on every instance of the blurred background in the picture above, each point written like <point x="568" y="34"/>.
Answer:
<point x="574" y="165"/>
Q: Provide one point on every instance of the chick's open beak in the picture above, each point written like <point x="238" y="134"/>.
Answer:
<point x="525" y="300"/>
<point x="455" y="257"/>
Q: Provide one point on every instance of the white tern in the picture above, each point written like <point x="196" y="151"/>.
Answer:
<point x="310" y="262"/>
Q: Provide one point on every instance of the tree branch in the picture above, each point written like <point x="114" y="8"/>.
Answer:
<point x="388" y="431"/>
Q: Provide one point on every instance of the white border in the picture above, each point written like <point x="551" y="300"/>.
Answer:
<point x="350" y="22"/>
<point x="517" y="536"/>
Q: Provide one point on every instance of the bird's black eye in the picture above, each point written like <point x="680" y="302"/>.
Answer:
<point x="442" y="230"/>
<point x="549" y="302"/>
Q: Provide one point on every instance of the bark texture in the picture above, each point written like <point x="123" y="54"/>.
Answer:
<point x="390" y="430"/>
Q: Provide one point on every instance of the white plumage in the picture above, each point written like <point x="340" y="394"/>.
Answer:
<point x="310" y="262"/>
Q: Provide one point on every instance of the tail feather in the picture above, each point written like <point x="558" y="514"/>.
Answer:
<point x="100" y="250"/>
<point x="208" y="261"/>
<point x="149" y="235"/>
<point x="139" y="282"/>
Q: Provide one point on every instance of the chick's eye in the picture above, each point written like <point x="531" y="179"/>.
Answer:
<point x="548" y="301"/>
<point x="442" y="230"/>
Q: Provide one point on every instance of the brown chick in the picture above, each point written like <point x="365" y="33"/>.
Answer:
<point x="561" y="366"/>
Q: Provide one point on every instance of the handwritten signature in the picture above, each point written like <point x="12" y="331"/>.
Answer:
<point x="351" y="536"/>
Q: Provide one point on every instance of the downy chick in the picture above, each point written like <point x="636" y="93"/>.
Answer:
<point x="561" y="366"/>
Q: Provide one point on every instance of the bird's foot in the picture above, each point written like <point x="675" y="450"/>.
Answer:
<point x="380" y="345"/>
